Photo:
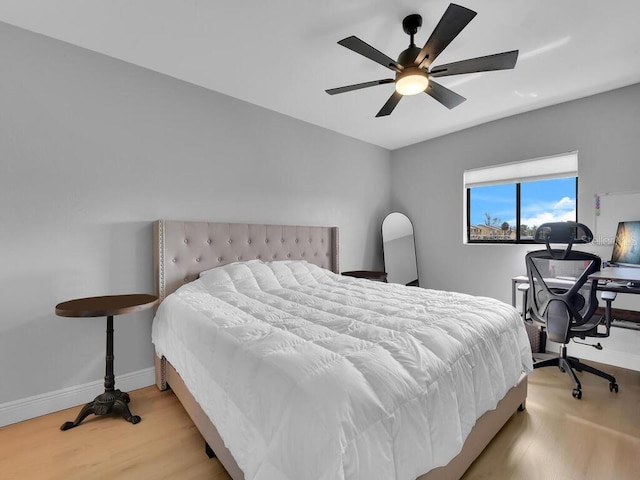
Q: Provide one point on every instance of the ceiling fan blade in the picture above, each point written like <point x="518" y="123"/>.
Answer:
<point x="388" y="107"/>
<point x="453" y="21"/>
<point x="446" y="97"/>
<point x="358" y="86"/>
<point x="497" y="61"/>
<point x="366" y="50"/>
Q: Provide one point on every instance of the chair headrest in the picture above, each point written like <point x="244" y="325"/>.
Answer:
<point x="563" y="232"/>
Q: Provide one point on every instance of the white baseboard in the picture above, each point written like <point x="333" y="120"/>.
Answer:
<point x="37" y="405"/>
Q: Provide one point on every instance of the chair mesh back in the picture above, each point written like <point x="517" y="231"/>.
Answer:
<point x="560" y="294"/>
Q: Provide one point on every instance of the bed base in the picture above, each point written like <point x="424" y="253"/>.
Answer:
<point x="487" y="426"/>
<point x="166" y="376"/>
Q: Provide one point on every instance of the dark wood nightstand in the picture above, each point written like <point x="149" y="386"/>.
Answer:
<point x="368" y="274"/>
<point x="111" y="399"/>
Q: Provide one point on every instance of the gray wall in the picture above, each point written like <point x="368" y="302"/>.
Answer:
<point x="92" y="150"/>
<point x="427" y="185"/>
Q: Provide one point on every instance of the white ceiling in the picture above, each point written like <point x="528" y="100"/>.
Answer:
<point x="282" y="54"/>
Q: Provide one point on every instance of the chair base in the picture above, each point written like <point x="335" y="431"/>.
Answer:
<point x="569" y="364"/>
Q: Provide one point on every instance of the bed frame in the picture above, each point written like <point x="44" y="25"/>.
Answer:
<point x="184" y="249"/>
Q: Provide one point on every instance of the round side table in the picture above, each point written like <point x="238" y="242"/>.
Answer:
<point x="368" y="274"/>
<point x="107" y="306"/>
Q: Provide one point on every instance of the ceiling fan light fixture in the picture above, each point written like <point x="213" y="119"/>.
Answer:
<point x="412" y="81"/>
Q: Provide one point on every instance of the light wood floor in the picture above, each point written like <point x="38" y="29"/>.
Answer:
<point x="557" y="437"/>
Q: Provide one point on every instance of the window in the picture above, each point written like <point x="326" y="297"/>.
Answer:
<point x="506" y="203"/>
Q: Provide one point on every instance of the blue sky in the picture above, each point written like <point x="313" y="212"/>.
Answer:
<point x="542" y="201"/>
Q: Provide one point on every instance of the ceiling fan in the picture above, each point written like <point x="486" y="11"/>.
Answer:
<point x="413" y="72"/>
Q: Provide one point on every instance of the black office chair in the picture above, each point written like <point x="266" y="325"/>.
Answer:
<point x="563" y="299"/>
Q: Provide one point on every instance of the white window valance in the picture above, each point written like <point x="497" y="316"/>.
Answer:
<point x="544" y="168"/>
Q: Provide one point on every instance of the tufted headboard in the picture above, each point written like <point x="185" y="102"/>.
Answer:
<point x="182" y="250"/>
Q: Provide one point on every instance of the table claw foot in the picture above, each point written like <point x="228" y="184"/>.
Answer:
<point x="84" y="413"/>
<point x="122" y="406"/>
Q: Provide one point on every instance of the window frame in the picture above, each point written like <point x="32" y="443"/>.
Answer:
<point x="518" y="239"/>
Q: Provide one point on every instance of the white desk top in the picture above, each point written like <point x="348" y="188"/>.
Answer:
<point x="618" y="274"/>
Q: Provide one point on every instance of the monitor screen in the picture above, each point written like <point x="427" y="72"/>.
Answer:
<point x="626" y="249"/>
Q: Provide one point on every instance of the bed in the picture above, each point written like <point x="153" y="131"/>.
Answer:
<point x="284" y="264"/>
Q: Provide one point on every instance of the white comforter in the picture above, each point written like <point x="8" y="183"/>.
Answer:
<point x="311" y="375"/>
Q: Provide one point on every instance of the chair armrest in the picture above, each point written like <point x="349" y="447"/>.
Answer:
<point x="524" y="288"/>
<point x="608" y="297"/>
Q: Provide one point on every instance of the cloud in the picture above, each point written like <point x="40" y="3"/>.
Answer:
<point x="545" y="217"/>
<point x="563" y="210"/>
<point x="565" y="203"/>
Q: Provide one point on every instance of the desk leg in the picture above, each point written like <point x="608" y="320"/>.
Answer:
<point x="112" y="399"/>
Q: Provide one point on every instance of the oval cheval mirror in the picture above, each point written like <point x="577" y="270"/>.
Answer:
<point x="399" y="250"/>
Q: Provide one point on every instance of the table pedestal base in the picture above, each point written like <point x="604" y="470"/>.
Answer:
<point x="112" y="400"/>
<point x="103" y="404"/>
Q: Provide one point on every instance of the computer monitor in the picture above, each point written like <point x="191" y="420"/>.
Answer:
<point x="626" y="249"/>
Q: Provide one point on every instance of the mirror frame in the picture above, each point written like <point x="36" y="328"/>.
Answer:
<point x="401" y="218"/>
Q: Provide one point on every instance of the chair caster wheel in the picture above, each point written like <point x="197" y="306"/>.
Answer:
<point x="135" y="419"/>
<point x="577" y="393"/>
<point x="613" y="387"/>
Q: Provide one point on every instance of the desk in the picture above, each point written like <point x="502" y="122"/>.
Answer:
<point x="618" y="279"/>
<point x="610" y="279"/>
<point x="111" y="399"/>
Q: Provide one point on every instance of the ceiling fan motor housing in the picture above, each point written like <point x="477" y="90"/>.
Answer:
<point x="408" y="56"/>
